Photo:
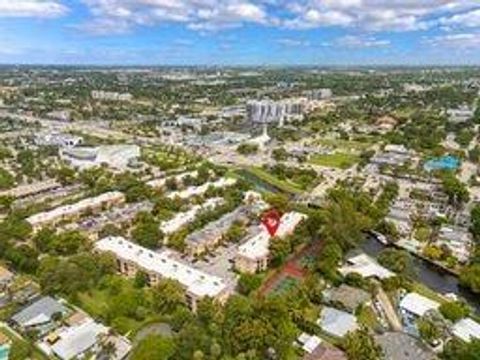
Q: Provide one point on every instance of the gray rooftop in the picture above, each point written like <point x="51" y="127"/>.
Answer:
<point x="219" y="227"/>
<point x="401" y="346"/>
<point x="38" y="312"/>
<point x="348" y="296"/>
<point x="337" y="322"/>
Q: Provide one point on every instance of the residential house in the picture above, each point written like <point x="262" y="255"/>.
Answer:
<point x="39" y="315"/>
<point x="337" y="322"/>
<point x="466" y="329"/>
<point x="401" y="346"/>
<point x="413" y="306"/>
<point x="347" y="297"/>
<point x="366" y="266"/>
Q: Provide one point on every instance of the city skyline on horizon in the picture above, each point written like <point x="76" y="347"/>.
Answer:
<point x="344" y="33"/>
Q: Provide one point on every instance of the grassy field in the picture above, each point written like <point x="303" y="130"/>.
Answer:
<point x="345" y="145"/>
<point x="336" y="160"/>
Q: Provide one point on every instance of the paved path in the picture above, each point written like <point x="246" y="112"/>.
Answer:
<point x="389" y="310"/>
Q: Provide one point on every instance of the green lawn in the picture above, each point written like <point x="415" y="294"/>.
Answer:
<point x="345" y="145"/>
<point x="367" y="317"/>
<point x="336" y="160"/>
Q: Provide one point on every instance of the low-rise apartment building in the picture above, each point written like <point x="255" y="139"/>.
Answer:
<point x="132" y="258"/>
<point x="212" y="234"/>
<point x="253" y="255"/>
<point x="73" y="211"/>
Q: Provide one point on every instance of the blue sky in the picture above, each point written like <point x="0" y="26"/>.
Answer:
<point x="240" y="32"/>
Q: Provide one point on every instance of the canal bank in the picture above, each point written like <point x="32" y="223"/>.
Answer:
<point x="258" y="183"/>
<point x="431" y="275"/>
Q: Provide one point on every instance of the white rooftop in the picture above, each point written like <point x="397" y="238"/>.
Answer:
<point x="183" y="218"/>
<point x="365" y="266"/>
<point x="29" y="189"/>
<point x="257" y="246"/>
<point x="466" y="329"/>
<point x="417" y="304"/>
<point x="158" y="183"/>
<point x="309" y="342"/>
<point x="116" y="156"/>
<point x="200" y="190"/>
<point x="76" y="340"/>
<point x="196" y="281"/>
<point x="73" y="209"/>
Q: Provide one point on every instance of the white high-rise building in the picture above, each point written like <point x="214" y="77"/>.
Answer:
<point x="269" y="111"/>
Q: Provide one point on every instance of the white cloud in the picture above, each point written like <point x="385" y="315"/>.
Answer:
<point x="374" y="15"/>
<point x="204" y="15"/>
<point x="288" y="42"/>
<point x="352" y="41"/>
<point x="32" y="8"/>
<point x="465" y="41"/>
<point x="211" y="15"/>
<point x="466" y="19"/>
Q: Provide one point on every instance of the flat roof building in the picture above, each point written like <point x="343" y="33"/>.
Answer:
<point x="253" y="255"/>
<point x="210" y="236"/>
<point x="71" y="211"/>
<point x="160" y="183"/>
<point x="77" y="340"/>
<point x="202" y="189"/>
<point x="183" y="218"/>
<point x="115" y="156"/>
<point x="132" y="258"/>
<point x="25" y="190"/>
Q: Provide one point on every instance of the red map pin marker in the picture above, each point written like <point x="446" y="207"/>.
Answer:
<point x="271" y="221"/>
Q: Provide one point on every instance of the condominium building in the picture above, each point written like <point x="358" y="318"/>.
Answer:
<point x="202" y="189"/>
<point x="209" y="237"/>
<point x="132" y="258"/>
<point x="73" y="211"/>
<point x="110" y="96"/>
<point x="253" y="255"/>
<point x="160" y="183"/>
<point x="183" y="218"/>
<point x="269" y="111"/>
<point x="57" y="139"/>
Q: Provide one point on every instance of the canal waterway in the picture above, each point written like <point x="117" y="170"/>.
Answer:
<point x="430" y="275"/>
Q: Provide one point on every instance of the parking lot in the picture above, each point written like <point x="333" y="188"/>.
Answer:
<point x="221" y="264"/>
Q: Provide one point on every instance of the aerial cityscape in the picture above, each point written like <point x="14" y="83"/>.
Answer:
<point x="239" y="180"/>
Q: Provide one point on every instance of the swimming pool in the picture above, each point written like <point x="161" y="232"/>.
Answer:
<point x="448" y="162"/>
<point x="4" y="351"/>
